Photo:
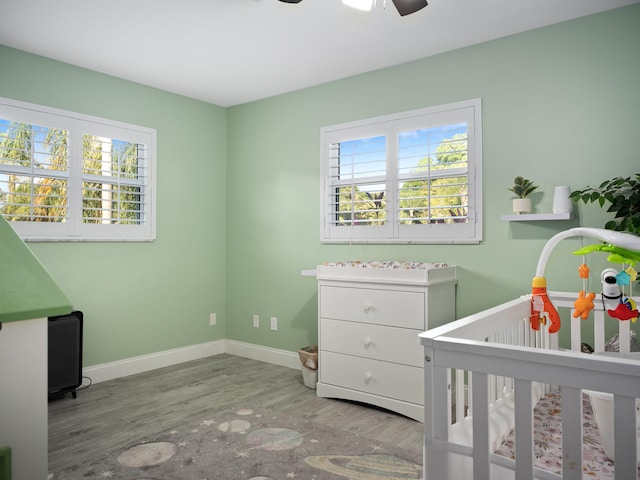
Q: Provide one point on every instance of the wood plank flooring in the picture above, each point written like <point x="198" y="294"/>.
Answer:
<point x="116" y="413"/>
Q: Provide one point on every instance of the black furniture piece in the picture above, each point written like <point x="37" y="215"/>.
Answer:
<point x="65" y="353"/>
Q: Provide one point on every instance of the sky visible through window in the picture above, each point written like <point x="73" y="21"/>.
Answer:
<point x="366" y="157"/>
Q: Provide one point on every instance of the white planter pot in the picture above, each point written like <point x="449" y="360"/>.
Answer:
<point x="522" y="205"/>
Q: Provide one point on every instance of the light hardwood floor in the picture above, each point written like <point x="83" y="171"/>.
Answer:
<point x="116" y="413"/>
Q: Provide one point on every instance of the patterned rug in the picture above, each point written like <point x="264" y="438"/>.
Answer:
<point x="251" y="444"/>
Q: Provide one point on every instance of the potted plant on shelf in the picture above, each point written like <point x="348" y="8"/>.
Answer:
<point x="624" y="196"/>
<point x="522" y="187"/>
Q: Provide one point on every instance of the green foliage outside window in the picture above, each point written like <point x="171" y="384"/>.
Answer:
<point x="49" y="193"/>
<point x="437" y="198"/>
<point x="35" y="161"/>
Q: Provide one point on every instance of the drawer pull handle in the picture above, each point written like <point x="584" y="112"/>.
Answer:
<point x="367" y="341"/>
<point x="368" y="308"/>
<point x="367" y="377"/>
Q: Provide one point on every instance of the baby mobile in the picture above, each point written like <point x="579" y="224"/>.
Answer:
<point x="622" y="247"/>
<point x="614" y="283"/>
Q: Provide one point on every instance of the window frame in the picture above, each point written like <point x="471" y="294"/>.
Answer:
<point x="73" y="228"/>
<point x="391" y="126"/>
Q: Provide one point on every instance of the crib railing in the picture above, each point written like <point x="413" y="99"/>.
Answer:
<point x="489" y="359"/>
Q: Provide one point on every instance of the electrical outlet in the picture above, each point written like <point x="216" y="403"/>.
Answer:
<point x="256" y="321"/>
<point x="212" y="319"/>
<point x="274" y="323"/>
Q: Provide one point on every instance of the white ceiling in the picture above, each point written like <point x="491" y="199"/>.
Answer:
<point x="229" y="52"/>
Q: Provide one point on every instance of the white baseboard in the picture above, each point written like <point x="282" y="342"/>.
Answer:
<point x="275" y="356"/>
<point x="145" y="363"/>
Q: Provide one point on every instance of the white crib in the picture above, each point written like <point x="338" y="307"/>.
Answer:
<point x="485" y="373"/>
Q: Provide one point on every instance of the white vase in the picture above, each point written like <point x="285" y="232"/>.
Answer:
<point x="521" y="205"/>
<point x="561" y="201"/>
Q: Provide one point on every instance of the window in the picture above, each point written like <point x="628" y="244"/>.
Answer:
<point x="413" y="177"/>
<point x="67" y="176"/>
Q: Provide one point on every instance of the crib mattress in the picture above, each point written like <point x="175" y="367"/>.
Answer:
<point x="547" y="442"/>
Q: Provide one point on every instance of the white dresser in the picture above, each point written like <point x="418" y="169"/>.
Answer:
<point x="369" y="321"/>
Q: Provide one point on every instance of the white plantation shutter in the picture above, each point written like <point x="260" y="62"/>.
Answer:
<point x="34" y="166"/>
<point x="356" y="193"/>
<point x="411" y="177"/>
<point x="91" y="179"/>
<point x="113" y="181"/>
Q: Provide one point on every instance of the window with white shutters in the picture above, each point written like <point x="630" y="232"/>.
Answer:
<point x="34" y="162"/>
<point x="67" y="176"/>
<point x="413" y="177"/>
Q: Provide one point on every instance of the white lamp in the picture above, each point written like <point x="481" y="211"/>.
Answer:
<point x="364" y="5"/>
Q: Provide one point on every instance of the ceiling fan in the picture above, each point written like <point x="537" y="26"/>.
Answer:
<point x="404" y="7"/>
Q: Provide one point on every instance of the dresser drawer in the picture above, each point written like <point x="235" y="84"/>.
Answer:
<point x="391" y="344"/>
<point x="390" y="380"/>
<point x="383" y="307"/>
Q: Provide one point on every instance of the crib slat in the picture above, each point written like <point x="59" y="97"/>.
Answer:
<point x="441" y="403"/>
<point x="498" y="382"/>
<point x="576" y="334"/>
<point x="480" y="426"/>
<point x="598" y="331"/>
<point x="493" y="388"/>
<point x="524" y="430"/>
<point x="470" y="397"/>
<point x="624" y="439"/>
<point x="527" y="334"/>
<point x="460" y="403"/>
<point x="624" y="329"/>
<point x="571" y="433"/>
<point x="553" y="342"/>
<point x="450" y="399"/>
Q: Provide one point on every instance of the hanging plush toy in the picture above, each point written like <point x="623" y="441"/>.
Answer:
<point x="584" y="303"/>
<point x="611" y="292"/>
<point x="616" y="306"/>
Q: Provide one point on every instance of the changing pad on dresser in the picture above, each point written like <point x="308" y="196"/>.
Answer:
<point x="416" y="273"/>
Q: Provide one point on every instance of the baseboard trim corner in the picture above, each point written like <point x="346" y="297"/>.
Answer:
<point x="166" y="358"/>
<point x="274" y="356"/>
<point x="144" y="363"/>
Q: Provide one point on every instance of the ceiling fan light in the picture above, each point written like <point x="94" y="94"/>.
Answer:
<point x="406" y="7"/>
<point x="364" y="5"/>
<point x="291" y="1"/>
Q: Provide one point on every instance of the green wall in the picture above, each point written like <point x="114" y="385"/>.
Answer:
<point x="140" y="298"/>
<point x="238" y="188"/>
<point x="560" y="106"/>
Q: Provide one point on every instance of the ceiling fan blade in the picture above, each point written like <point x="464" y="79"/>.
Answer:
<point x="406" y="7"/>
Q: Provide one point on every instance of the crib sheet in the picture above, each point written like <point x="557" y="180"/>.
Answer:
<point x="547" y="441"/>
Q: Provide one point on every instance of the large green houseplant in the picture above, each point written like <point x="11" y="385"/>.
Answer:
<point x="623" y="195"/>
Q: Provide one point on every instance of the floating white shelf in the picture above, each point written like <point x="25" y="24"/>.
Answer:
<point x="533" y="217"/>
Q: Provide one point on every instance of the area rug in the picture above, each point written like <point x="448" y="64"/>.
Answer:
<point x="251" y="443"/>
